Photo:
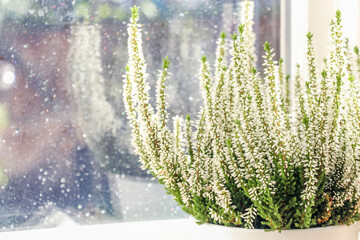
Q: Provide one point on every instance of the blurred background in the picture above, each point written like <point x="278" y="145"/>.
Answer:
<point x="65" y="153"/>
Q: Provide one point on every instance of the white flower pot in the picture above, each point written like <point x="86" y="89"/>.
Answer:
<point x="217" y="232"/>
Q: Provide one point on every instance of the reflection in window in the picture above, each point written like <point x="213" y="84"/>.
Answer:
<point x="65" y="153"/>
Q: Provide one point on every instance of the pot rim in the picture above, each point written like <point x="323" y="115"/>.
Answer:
<point x="326" y="228"/>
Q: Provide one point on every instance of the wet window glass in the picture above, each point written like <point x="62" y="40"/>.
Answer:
<point x="65" y="151"/>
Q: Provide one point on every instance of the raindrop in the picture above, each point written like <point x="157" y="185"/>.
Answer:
<point x="41" y="13"/>
<point x="8" y="77"/>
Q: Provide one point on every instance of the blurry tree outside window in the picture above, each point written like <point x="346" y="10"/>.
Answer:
<point x="65" y="152"/>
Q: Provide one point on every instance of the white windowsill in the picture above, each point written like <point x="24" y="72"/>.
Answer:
<point x="179" y="229"/>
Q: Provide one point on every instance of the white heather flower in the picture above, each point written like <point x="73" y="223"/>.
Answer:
<point x="222" y="196"/>
<point x="351" y="61"/>
<point x="138" y="96"/>
<point x="219" y="123"/>
<point x="221" y="51"/>
<point x="161" y="96"/>
<point x="357" y="63"/>
<point x="215" y="215"/>
<point x="349" y="139"/>
<point x="206" y="87"/>
<point x="335" y="76"/>
<point x="239" y="70"/>
<point x="311" y="157"/>
<point x="275" y="113"/>
<point x="247" y="19"/>
<point x="249" y="217"/>
<point x="284" y="86"/>
<point x="136" y="137"/>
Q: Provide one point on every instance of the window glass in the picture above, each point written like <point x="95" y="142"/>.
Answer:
<point x="65" y="151"/>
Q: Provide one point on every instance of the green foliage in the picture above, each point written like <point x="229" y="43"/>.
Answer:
<point x="166" y="63"/>
<point x="241" y="28"/>
<point x="356" y="50"/>
<point x="223" y="35"/>
<point x="203" y="59"/>
<point x="134" y="13"/>
<point x="267" y="47"/>
<point x="309" y="36"/>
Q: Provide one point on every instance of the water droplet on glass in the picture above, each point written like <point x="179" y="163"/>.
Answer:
<point x="8" y="77"/>
<point x="41" y="13"/>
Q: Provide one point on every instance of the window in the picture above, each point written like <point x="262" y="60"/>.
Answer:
<point x="299" y="17"/>
<point x="65" y="152"/>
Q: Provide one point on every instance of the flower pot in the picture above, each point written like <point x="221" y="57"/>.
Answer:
<point x="216" y="232"/>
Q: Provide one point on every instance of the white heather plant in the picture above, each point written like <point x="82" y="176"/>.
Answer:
<point x="255" y="160"/>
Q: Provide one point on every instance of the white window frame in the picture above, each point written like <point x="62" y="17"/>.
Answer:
<point x="301" y="16"/>
<point x="297" y="18"/>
